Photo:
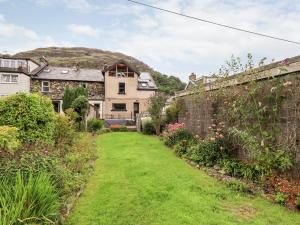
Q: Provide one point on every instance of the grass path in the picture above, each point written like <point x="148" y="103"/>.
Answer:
<point x="138" y="181"/>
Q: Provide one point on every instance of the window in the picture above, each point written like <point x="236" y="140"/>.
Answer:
<point x="12" y="63"/>
<point x="118" y="107"/>
<point x="45" y="86"/>
<point x="14" y="78"/>
<point x="6" y="63"/>
<point x="144" y="84"/>
<point x="9" y="78"/>
<point x="121" y="70"/>
<point x="121" y="88"/>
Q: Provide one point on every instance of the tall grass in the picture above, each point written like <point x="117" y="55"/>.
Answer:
<point x="28" y="199"/>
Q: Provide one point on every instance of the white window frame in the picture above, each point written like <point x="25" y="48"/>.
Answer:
<point x="45" y="86"/>
<point x="10" y="79"/>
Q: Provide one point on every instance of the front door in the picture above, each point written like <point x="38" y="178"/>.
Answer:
<point x="136" y="109"/>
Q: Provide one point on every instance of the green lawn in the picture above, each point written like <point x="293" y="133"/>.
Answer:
<point x="138" y="181"/>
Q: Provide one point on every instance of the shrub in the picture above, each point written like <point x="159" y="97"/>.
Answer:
<point x="71" y="94"/>
<point x="123" y="129"/>
<point x="172" y="138"/>
<point x="205" y="153"/>
<point x="104" y="131"/>
<point x="32" y="114"/>
<point x="280" y="198"/>
<point x="30" y="199"/>
<point x="9" y="140"/>
<point x="94" y="125"/>
<point x="180" y="148"/>
<point x="64" y="132"/>
<point x="237" y="168"/>
<point x="148" y="128"/>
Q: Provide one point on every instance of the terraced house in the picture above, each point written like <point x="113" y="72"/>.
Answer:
<point x="118" y="92"/>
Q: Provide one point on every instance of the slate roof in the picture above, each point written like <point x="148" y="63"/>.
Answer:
<point x="146" y="82"/>
<point x="70" y="74"/>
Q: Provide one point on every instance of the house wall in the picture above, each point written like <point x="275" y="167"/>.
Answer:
<point x="132" y="95"/>
<point x="23" y="85"/>
<point x="57" y="87"/>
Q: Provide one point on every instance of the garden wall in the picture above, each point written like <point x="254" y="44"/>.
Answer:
<point x="200" y="112"/>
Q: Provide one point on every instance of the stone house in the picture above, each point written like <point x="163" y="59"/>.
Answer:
<point x="52" y="81"/>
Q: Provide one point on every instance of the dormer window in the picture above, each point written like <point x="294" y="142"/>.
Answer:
<point x="121" y="70"/>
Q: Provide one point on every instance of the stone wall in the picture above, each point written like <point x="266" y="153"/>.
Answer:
<point x="199" y="111"/>
<point x="57" y="87"/>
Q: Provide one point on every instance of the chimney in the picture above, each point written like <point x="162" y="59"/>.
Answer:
<point x="105" y="66"/>
<point x="193" y="77"/>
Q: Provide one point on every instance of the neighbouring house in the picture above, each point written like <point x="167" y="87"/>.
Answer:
<point x="52" y="81"/>
<point x="15" y="73"/>
<point x="194" y="81"/>
<point x="126" y="91"/>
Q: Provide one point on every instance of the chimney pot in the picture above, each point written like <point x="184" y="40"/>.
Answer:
<point x="193" y="77"/>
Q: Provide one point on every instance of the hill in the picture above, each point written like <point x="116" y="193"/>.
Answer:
<point x="97" y="58"/>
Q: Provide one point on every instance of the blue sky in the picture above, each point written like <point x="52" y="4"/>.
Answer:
<point x="170" y="44"/>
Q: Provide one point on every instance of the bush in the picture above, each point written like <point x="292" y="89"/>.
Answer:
<point x="172" y="138"/>
<point x="180" y="148"/>
<point x="28" y="199"/>
<point x="64" y="132"/>
<point x="32" y="114"/>
<point x="95" y="125"/>
<point x="148" y="128"/>
<point x="123" y="129"/>
<point x="205" y="153"/>
<point x="237" y="168"/>
<point x="280" y="198"/>
<point x="9" y="140"/>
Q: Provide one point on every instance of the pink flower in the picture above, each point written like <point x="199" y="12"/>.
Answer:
<point x="221" y="136"/>
<point x="219" y="129"/>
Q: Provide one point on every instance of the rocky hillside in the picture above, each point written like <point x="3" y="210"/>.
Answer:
<point x="97" y="58"/>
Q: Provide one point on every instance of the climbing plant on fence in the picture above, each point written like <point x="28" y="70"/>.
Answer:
<point x="252" y="111"/>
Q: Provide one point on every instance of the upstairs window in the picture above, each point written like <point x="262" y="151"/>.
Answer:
<point x="6" y="63"/>
<point x="9" y="78"/>
<point x="118" y="107"/>
<point x="122" y="88"/>
<point x="45" y="86"/>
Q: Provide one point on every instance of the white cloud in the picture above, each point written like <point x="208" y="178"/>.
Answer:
<point x="162" y="38"/>
<point x="76" y="5"/>
<point x="8" y="30"/>
<point x="86" y="30"/>
<point x="19" y="38"/>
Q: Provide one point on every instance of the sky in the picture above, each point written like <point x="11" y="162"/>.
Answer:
<point x="168" y="43"/>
